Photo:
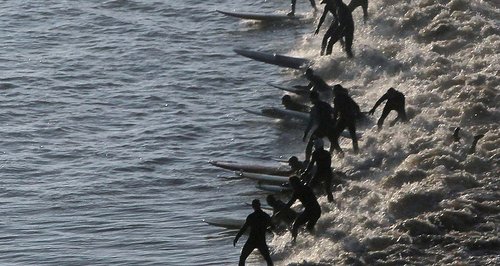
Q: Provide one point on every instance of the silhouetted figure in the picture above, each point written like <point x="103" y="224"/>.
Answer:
<point x="316" y="83"/>
<point x="283" y="216"/>
<point x="290" y="104"/>
<point x="312" y="210"/>
<point x="396" y="102"/>
<point x="332" y="8"/>
<point x="296" y="165"/>
<point x="363" y="4"/>
<point x="323" y="174"/>
<point x="344" y="28"/>
<point x="292" y="13"/>
<point x="258" y="221"/>
<point x="321" y="118"/>
<point x="346" y="110"/>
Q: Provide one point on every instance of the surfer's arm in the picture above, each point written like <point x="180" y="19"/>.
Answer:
<point x="242" y="230"/>
<point x="383" y="98"/>
<point x="321" y="20"/>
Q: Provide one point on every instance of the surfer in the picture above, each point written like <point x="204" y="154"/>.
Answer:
<point x="321" y="117"/>
<point x="363" y="4"/>
<point x="472" y="148"/>
<point x="343" y="27"/>
<point x="316" y="83"/>
<point x="282" y="216"/>
<point x="346" y="110"/>
<point x="292" y="13"/>
<point x="312" y="210"/>
<point x="332" y="8"/>
<point x="296" y="165"/>
<point x="324" y="174"/>
<point x="258" y="221"/>
<point x="396" y="102"/>
<point x="290" y="104"/>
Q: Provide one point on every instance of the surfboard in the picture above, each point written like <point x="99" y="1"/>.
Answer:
<point x="295" y="91"/>
<point x="282" y="170"/>
<point x="278" y="113"/>
<point x="227" y="223"/>
<point x="273" y="188"/>
<point x="264" y="178"/>
<point x="275" y="59"/>
<point x="260" y="17"/>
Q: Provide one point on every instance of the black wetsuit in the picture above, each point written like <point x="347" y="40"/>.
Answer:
<point x="318" y="84"/>
<point x="332" y="8"/>
<point x="347" y="111"/>
<point x="321" y="115"/>
<point x="312" y="210"/>
<point x="283" y="216"/>
<point x="323" y="174"/>
<point x="344" y="29"/>
<point x="363" y="4"/>
<point x="396" y="102"/>
<point x="258" y="221"/>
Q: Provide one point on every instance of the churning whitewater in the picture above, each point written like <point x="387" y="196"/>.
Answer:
<point x="415" y="197"/>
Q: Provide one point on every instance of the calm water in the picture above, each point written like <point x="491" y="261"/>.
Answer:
<point x="110" y="111"/>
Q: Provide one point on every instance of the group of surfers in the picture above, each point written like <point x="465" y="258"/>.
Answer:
<point x="325" y="121"/>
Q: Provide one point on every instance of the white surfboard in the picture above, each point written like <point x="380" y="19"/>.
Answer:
<point x="264" y="178"/>
<point x="275" y="59"/>
<point x="260" y="17"/>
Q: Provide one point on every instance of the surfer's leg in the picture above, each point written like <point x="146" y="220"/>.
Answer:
<point x="384" y="115"/>
<point x="313" y="218"/>
<point x="245" y="252"/>
<point x="352" y="131"/>
<point x="301" y="219"/>
<point x="293" y="8"/>
<point x="349" y="35"/>
<point x="364" y="5"/>
<point x="336" y="135"/>
<point x="335" y="37"/>
<point x="328" y="34"/>
<point x="328" y="187"/>
<point x="264" y="250"/>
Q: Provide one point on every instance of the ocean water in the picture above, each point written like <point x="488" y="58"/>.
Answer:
<point x="110" y="111"/>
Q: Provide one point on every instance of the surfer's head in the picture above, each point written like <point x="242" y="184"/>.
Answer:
<point x="391" y="90"/>
<point x="338" y="89"/>
<point x="286" y="99"/>
<point x="256" y="204"/>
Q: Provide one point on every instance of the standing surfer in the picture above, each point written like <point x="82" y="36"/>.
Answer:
<point x="347" y="112"/>
<point x="258" y="221"/>
<point x="341" y="27"/>
<point x="324" y="174"/>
